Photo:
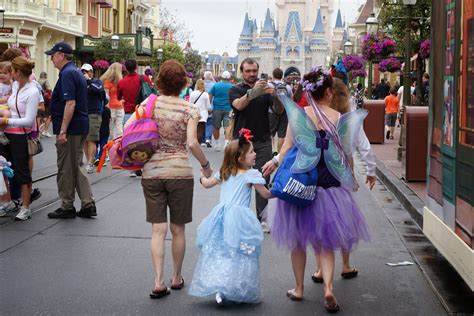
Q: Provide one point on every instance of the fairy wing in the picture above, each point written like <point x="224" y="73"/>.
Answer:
<point x="338" y="167"/>
<point x="348" y="128"/>
<point x="304" y="136"/>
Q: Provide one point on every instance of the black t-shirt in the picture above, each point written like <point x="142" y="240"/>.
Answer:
<point x="254" y="117"/>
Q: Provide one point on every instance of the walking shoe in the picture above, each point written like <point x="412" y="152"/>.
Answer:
<point x="96" y="162"/>
<point x="203" y="144"/>
<point x="387" y="135"/>
<point x="24" y="214"/>
<point x="87" y="212"/>
<point x="132" y="174"/>
<point x="138" y="173"/>
<point x="208" y="144"/>
<point x="35" y="194"/>
<point x="90" y="168"/>
<point x="61" y="213"/>
<point x="8" y="207"/>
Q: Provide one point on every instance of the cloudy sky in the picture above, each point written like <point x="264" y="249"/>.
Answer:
<point x="216" y="24"/>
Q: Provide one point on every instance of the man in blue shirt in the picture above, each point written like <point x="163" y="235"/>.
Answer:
<point x="71" y="125"/>
<point x="219" y="96"/>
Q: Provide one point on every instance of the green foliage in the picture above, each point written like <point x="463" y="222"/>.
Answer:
<point x="193" y="63"/>
<point x="170" y="51"/>
<point x="392" y="21"/>
<point x="104" y="50"/>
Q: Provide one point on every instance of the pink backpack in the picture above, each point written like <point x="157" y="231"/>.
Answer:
<point x="137" y="144"/>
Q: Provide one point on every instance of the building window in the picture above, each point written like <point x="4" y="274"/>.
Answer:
<point x="79" y="7"/>
<point x="93" y="10"/>
<point x="116" y="21"/>
<point x="106" y="19"/>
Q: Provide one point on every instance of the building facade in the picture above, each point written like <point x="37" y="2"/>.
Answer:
<point x="302" y="35"/>
<point x="448" y="218"/>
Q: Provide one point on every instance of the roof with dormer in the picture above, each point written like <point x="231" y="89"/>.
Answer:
<point x="339" y="19"/>
<point x="318" y="26"/>
<point x="293" y="25"/>
<point x="268" y="25"/>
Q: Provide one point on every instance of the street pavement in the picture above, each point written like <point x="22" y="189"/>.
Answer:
<point x="102" y="266"/>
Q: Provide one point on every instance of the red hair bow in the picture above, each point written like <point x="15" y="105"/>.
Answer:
<point x="245" y="133"/>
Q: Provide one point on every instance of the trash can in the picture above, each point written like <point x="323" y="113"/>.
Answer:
<point x="374" y="123"/>
<point x="416" y="124"/>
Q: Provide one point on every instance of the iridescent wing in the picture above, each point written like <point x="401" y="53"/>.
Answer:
<point x="304" y="136"/>
<point x="338" y="167"/>
<point x="348" y="128"/>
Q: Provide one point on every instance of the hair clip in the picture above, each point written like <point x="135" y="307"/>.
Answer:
<point x="244" y="135"/>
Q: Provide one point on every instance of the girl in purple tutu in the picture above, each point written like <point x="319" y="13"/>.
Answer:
<point x="332" y="220"/>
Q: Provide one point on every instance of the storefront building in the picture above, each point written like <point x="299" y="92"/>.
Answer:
<point x="448" y="219"/>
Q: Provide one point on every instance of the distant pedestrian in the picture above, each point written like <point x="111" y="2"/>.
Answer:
<point x="209" y="83"/>
<point x="95" y="104"/>
<point x="23" y="107"/>
<point x="186" y="92"/>
<point x="104" y="133"/>
<point x="391" y="112"/>
<point x="383" y="89"/>
<point x="251" y="101"/>
<point x="71" y="126"/>
<point x="45" y="116"/>
<point x="277" y="114"/>
<point x="168" y="180"/>
<point x="111" y="79"/>
<point x="230" y="237"/>
<point x="200" y="98"/>
<point x="219" y="95"/>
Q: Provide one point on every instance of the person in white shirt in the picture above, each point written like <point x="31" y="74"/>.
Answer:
<point x="23" y="106"/>
<point x="200" y="98"/>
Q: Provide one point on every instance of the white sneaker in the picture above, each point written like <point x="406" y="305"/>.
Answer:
<point x="90" y="168"/>
<point x="132" y="174"/>
<point x="47" y="134"/>
<point x="23" y="215"/>
<point x="7" y="207"/>
<point x="265" y="227"/>
<point x="219" y="299"/>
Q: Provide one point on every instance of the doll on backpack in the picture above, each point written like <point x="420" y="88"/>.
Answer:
<point x="230" y="237"/>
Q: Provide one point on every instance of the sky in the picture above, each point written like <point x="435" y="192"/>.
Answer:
<point x="216" y="24"/>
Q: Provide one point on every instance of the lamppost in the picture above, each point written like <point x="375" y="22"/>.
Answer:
<point x="348" y="48"/>
<point x="406" y="75"/>
<point x="372" y="25"/>
<point x="114" y="44"/>
<point x="159" y="57"/>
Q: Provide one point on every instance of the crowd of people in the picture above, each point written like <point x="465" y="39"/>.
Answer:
<point x="86" y="112"/>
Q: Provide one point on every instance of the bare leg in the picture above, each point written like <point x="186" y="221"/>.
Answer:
<point x="25" y="195"/>
<point x="158" y="235"/>
<point x="216" y="133"/>
<point x="178" y="248"/>
<point x="280" y="143"/>
<point x="327" y="269"/>
<point x="318" y="273"/>
<point x="298" y="260"/>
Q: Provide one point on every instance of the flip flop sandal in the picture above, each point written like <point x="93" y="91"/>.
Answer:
<point x="332" y="309"/>
<point x="179" y="286"/>
<point x="293" y="297"/>
<point x="316" y="279"/>
<point x="161" y="293"/>
<point x="350" y="274"/>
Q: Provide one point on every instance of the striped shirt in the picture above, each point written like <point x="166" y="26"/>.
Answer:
<point x="171" y="160"/>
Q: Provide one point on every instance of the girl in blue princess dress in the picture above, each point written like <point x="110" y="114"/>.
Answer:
<point x="230" y="237"/>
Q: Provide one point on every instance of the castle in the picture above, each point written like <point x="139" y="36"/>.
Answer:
<point x="301" y="36"/>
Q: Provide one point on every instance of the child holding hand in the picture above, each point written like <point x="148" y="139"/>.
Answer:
<point x="230" y="237"/>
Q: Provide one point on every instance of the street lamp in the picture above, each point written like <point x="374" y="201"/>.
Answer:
<point x="114" y="44"/>
<point x="348" y="48"/>
<point x="159" y="57"/>
<point x="406" y="74"/>
<point x="372" y="25"/>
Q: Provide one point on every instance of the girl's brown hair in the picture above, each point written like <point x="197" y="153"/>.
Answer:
<point x="234" y="153"/>
<point x="315" y="76"/>
<point x="172" y="78"/>
<point x="23" y="65"/>
<point x="6" y="65"/>
<point x="340" y="97"/>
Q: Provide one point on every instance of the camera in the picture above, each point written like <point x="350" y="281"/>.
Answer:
<point x="263" y="76"/>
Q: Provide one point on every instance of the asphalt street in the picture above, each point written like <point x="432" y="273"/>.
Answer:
<point x="102" y="266"/>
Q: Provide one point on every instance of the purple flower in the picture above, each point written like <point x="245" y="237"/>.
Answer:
<point x="391" y="64"/>
<point x="352" y="62"/>
<point x="101" y="64"/>
<point x="425" y="49"/>
<point x="359" y="73"/>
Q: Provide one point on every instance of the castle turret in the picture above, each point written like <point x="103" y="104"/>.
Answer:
<point x="338" y="33"/>
<point x="267" y="44"/>
<point x="245" y="39"/>
<point x="318" y="45"/>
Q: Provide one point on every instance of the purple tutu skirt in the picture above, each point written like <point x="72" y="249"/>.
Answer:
<point x="332" y="221"/>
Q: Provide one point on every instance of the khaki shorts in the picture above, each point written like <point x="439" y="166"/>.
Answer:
<point x="95" y="120"/>
<point x="177" y="194"/>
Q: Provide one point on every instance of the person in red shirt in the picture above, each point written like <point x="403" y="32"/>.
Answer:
<point x="391" y="111"/>
<point x="129" y="87"/>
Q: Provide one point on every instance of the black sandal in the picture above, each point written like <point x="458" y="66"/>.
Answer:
<point x="161" y="293"/>
<point x="316" y="279"/>
<point x="350" y="274"/>
<point x="179" y="286"/>
<point x="332" y="309"/>
<point x="292" y="296"/>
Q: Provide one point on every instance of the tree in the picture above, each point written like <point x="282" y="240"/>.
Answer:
<point x="125" y="51"/>
<point x="170" y="51"/>
<point x="193" y="63"/>
<point x="172" y="28"/>
<point x="392" y="19"/>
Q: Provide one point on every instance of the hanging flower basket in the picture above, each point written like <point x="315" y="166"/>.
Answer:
<point x="391" y="64"/>
<point x="101" y="64"/>
<point x="387" y="46"/>
<point x="375" y="48"/>
<point x="359" y="73"/>
<point x="425" y="49"/>
<point x="353" y="62"/>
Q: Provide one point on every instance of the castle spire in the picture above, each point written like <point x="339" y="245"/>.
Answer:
<point x="318" y="26"/>
<point x="339" y="19"/>
<point x="247" y="28"/>
<point x="268" y="26"/>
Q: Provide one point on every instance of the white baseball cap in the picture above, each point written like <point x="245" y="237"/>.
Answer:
<point x="87" y="67"/>
<point x="225" y="75"/>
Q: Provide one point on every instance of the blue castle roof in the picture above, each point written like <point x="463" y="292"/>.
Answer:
<point x="294" y="19"/>
<point x="247" y="28"/>
<point x="268" y="25"/>
<point x="339" y="19"/>
<point x="318" y="26"/>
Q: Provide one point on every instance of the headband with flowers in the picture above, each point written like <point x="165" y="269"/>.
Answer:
<point x="310" y="85"/>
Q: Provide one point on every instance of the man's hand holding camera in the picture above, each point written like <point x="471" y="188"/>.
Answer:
<point x="261" y="87"/>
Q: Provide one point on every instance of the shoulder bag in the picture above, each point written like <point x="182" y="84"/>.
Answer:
<point x="34" y="144"/>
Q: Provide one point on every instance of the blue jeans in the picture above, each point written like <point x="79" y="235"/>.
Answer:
<point x="100" y="146"/>
<point x="209" y="129"/>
